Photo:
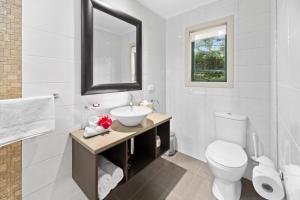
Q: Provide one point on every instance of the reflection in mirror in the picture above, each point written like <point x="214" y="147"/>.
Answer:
<point x="133" y="62"/>
<point x="114" y="50"/>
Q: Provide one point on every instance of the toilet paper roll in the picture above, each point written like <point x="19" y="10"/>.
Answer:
<point x="267" y="183"/>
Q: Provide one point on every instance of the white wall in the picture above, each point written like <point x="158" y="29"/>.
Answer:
<point x="193" y="108"/>
<point x="288" y="81"/>
<point x="273" y="85"/>
<point x="51" y="64"/>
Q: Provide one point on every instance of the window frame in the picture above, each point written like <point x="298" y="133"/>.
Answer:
<point x="229" y="22"/>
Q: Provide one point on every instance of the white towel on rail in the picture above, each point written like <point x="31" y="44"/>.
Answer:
<point x="104" y="183"/>
<point x="25" y="117"/>
<point x="115" y="171"/>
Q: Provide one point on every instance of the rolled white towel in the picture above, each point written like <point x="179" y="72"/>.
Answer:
<point x="92" y="131"/>
<point x="158" y="141"/>
<point x="115" y="171"/>
<point x="104" y="183"/>
<point x="92" y="122"/>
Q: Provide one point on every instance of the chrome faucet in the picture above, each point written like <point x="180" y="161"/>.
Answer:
<point x="131" y="101"/>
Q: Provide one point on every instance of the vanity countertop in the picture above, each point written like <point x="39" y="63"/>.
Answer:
<point x="118" y="133"/>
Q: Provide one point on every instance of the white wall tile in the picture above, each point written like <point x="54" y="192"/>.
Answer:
<point x="288" y="83"/>
<point x="45" y="147"/>
<point x="193" y="108"/>
<point x="258" y="74"/>
<point x="289" y="110"/>
<point x="38" y="175"/>
<point x="254" y="90"/>
<point x="255" y="23"/>
<point x="250" y="57"/>
<point x="51" y="64"/>
<point x="253" y="7"/>
<point x="288" y="151"/>
<point x="294" y="15"/>
<point x="294" y="59"/>
<point x="37" y="42"/>
<point x="45" y="70"/>
<point x="253" y="40"/>
<point x="273" y="83"/>
<point x="64" y="121"/>
<point x="53" y="16"/>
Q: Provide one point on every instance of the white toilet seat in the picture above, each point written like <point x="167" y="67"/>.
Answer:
<point x="222" y="167"/>
<point x="226" y="154"/>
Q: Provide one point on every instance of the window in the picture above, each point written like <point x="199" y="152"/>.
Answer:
<point x="209" y="54"/>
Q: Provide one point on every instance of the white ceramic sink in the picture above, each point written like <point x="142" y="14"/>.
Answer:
<point x="130" y="115"/>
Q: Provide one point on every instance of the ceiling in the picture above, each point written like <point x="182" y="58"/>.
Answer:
<point x="171" y="8"/>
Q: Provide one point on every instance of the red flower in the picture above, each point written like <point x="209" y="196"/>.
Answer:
<point x="105" y="121"/>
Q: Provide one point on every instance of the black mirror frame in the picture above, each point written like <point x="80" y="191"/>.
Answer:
<point x="87" y="87"/>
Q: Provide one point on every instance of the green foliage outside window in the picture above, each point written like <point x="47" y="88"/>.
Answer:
<point x="209" y="59"/>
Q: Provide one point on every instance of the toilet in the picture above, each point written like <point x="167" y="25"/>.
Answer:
<point x="226" y="156"/>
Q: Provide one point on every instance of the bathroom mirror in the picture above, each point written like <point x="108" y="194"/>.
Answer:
<point x="111" y="50"/>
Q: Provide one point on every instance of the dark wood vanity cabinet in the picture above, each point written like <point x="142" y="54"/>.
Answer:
<point x="115" y="146"/>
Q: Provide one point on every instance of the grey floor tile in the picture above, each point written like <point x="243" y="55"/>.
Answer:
<point x="179" y="177"/>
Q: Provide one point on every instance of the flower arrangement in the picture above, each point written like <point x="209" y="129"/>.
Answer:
<point x="104" y="121"/>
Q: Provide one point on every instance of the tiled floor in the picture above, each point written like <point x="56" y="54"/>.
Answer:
<point x="155" y="182"/>
<point x="197" y="181"/>
<point x="174" y="178"/>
